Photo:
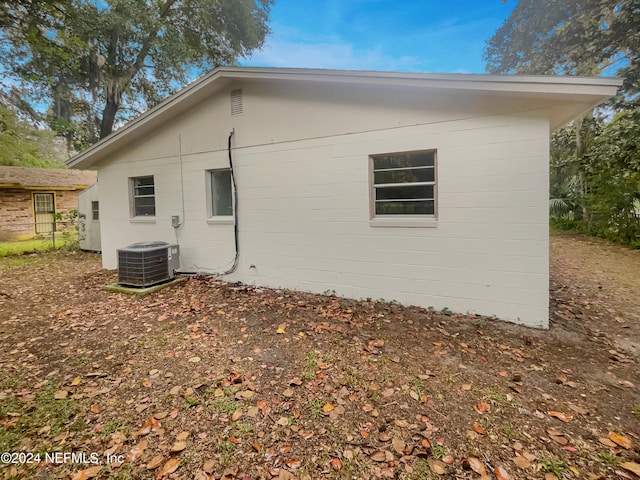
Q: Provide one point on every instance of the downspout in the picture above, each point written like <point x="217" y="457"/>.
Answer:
<point x="235" y="208"/>
<point x="235" y="219"/>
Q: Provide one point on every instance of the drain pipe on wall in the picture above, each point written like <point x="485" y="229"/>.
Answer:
<point x="208" y="271"/>
<point x="176" y="220"/>
<point x="235" y="207"/>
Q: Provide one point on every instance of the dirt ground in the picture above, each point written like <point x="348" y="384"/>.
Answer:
<point x="209" y="380"/>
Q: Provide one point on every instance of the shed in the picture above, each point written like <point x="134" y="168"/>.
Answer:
<point x="29" y="198"/>
<point x="426" y="189"/>
<point x="89" y="226"/>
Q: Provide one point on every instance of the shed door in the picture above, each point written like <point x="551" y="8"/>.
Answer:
<point x="43" y="208"/>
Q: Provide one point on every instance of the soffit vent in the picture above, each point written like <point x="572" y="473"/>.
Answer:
<point x="237" y="106"/>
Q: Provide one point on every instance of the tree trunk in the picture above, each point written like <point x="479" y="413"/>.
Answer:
<point x="108" y="117"/>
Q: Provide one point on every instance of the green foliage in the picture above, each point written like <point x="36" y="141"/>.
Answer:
<point x="71" y="224"/>
<point x="22" y="247"/>
<point x="22" y="145"/>
<point x="58" y="415"/>
<point x="315" y="407"/>
<point x="438" y="451"/>
<point x="610" y="459"/>
<point x="595" y="179"/>
<point x="98" y="63"/>
<point x="551" y="464"/>
<point x="575" y="37"/>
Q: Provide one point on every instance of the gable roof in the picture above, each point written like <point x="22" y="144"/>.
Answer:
<point x="46" y="178"/>
<point x="586" y="92"/>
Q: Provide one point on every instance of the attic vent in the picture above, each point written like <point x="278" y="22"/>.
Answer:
<point x="237" y="106"/>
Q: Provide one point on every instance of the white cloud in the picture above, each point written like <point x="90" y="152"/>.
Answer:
<point x="324" y="52"/>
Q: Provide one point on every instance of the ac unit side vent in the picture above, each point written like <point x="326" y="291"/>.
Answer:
<point x="237" y="104"/>
<point x="148" y="263"/>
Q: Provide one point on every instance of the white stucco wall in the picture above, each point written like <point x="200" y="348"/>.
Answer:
<point x="302" y="167"/>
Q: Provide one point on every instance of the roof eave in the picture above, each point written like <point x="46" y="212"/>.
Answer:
<point x="598" y="89"/>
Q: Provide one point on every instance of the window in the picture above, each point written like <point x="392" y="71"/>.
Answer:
<point x="144" y="197"/>
<point x="220" y="189"/>
<point x="404" y="184"/>
<point x="44" y="210"/>
<point x="95" y="211"/>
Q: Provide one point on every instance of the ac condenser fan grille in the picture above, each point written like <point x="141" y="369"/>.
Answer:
<point x="146" y="264"/>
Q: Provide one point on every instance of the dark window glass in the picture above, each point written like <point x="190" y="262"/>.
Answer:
<point x="144" y="199"/>
<point x="221" y="201"/>
<point x="425" y="207"/>
<point x="404" y="183"/>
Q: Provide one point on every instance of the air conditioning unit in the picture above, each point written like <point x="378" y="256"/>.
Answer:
<point x="147" y="263"/>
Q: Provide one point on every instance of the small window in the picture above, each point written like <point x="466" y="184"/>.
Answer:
<point x="143" y="194"/>
<point x="95" y="211"/>
<point x="404" y="184"/>
<point x="220" y="193"/>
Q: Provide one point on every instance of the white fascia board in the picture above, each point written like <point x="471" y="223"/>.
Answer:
<point x="593" y="89"/>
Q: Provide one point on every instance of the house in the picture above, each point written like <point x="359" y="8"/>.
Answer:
<point x="29" y="198"/>
<point x="427" y="189"/>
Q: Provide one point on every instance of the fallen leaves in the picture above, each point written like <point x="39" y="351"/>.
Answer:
<point x="336" y="464"/>
<point x="437" y="466"/>
<point x="501" y="473"/>
<point x="378" y="456"/>
<point x="621" y="440"/>
<point x="87" y="473"/>
<point x="155" y="462"/>
<point x="564" y="417"/>
<point x="398" y="445"/>
<point x="327" y="407"/>
<point x="476" y="465"/>
<point x="136" y="451"/>
<point x="478" y="429"/>
<point x="168" y="468"/>
<point x="369" y="405"/>
<point x="151" y="425"/>
<point x="631" y="467"/>
<point x="521" y="462"/>
<point x="60" y="394"/>
<point x="482" y="407"/>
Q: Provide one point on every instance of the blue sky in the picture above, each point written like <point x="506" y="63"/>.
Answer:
<point x="412" y="35"/>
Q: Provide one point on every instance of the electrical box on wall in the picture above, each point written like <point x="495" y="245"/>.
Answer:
<point x="175" y="221"/>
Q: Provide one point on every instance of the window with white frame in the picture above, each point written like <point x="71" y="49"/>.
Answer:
<point x="143" y="196"/>
<point x="95" y="210"/>
<point x="220" y="193"/>
<point x="404" y="184"/>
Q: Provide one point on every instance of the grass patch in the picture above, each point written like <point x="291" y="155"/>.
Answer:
<point x="610" y="459"/>
<point x="225" y="405"/>
<point x="309" y="372"/>
<point x="553" y="465"/>
<point x="438" y="451"/>
<point x="22" y="247"/>
<point x="315" y="407"/>
<point x="422" y="471"/>
<point x="110" y="427"/>
<point x="26" y="419"/>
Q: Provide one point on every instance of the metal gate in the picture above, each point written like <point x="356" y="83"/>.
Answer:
<point x="43" y="209"/>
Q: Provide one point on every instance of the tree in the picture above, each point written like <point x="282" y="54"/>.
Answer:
<point x="594" y="184"/>
<point x="614" y="173"/>
<point x="99" y="62"/>
<point x="573" y="37"/>
<point x="23" y="145"/>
